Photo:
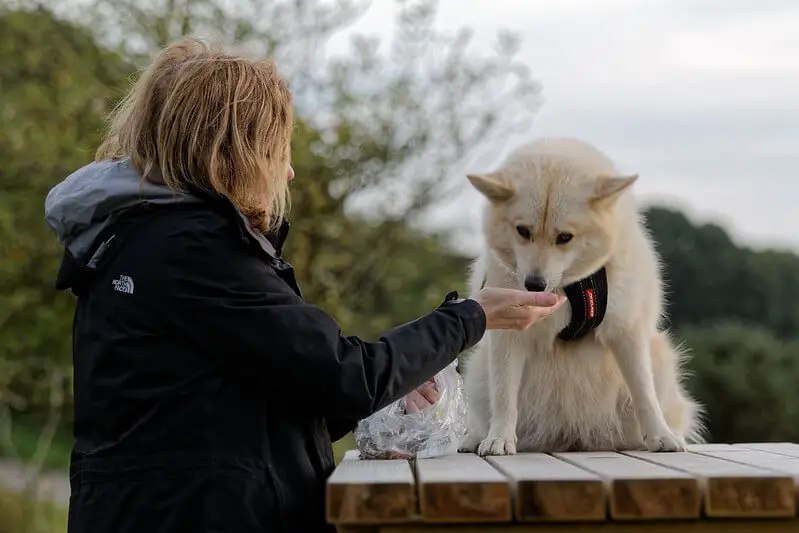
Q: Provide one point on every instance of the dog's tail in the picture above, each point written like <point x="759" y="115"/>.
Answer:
<point x="477" y="274"/>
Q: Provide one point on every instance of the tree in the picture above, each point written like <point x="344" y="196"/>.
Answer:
<point x="370" y="274"/>
<point x="710" y="278"/>
<point x="56" y="84"/>
<point x="746" y="378"/>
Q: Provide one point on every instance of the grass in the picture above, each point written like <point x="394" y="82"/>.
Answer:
<point x="19" y="515"/>
<point x="25" y="438"/>
<point x="341" y="446"/>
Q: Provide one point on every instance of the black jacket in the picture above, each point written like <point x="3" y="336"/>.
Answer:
<point x="207" y="392"/>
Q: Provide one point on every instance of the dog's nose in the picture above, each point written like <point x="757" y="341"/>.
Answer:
<point x="535" y="283"/>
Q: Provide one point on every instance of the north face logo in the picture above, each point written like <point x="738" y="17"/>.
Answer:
<point x="123" y="284"/>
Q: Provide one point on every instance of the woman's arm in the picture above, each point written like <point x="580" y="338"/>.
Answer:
<point x="228" y="300"/>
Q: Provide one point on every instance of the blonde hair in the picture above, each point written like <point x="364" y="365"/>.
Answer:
<point x="204" y="118"/>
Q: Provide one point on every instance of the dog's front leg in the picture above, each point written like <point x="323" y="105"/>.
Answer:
<point x="505" y="367"/>
<point x="635" y="362"/>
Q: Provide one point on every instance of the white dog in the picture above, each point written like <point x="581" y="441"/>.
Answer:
<point x="560" y="218"/>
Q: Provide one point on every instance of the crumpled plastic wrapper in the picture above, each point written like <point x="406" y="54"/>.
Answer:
<point x="393" y="433"/>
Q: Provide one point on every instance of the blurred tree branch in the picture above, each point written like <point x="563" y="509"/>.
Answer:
<point x="396" y="119"/>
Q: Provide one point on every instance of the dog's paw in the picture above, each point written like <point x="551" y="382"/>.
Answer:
<point x="496" y="446"/>
<point x="469" y="444"/>
<point x="668" y="442"/>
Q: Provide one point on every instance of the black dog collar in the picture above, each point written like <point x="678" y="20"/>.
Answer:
<point x="589" y="301"/>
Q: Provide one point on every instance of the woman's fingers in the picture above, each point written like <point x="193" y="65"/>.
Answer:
<point x="412" y="402"/>
<point x="429" y="392"/>
<point x="522" y="311"/>
<point x="537" y="299"/>
<point x="560" y="300"/>
<point x="522" y="317"/>
<point x="515" y="309"/>
<point x="423" y="397"/>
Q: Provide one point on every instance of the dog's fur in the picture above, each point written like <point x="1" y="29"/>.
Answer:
<point x="618" y="388"/>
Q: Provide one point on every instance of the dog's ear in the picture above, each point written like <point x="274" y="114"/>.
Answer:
<point x="607" y="189"/>
<point x="494" y="186"/>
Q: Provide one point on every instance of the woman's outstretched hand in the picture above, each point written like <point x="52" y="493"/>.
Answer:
<point x="516" y="309"/>
<point x="504" y="309"/>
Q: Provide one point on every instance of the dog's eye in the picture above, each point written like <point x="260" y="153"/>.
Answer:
<point x="523" y="232"/>
<point x="563" y="238"/>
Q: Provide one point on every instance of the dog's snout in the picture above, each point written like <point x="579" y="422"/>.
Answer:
<point x="535" y="283"/>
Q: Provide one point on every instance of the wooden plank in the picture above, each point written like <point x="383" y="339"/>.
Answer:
<point x="790" y="449"/>
<point x="548" y="489"/>
<point x="641" y="490"/>
<point x="771" y="461"/>
<point x="761" y="459"/>
<point x="693" y="526"/>
<point x="351" y="455"/>
<point x="709" y="447"/>
<point x="732" y="490"/>
<point x="462" y="488"/>
<point x="371" y="492"/>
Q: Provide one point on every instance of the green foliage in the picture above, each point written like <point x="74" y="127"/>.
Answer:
<point x="24" y="441"/>
<point x="395" y="116"/>
<point x="19" y="514"/>
<point x="56" y="84"/>
<point x="710" y="278"/>
<point x="370" y="274"/>
<point x="747" y="380"/>
<point x="340" y="447"/>
<point x="734" y="308"/>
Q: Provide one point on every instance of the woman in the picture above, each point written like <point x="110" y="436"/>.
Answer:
<point x="207" y="392"/>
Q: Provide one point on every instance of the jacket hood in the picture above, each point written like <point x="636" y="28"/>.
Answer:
<point x="90" y="199"/>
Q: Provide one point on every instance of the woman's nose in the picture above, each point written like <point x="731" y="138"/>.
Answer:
<point x="291" y="173"/>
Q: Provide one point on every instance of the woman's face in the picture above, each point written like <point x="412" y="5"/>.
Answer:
<point x="291" y="173"/>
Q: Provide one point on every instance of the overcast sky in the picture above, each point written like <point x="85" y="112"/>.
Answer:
<point x="700" y="97"/>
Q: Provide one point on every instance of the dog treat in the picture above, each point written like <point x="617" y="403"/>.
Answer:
<point x="393" y="433"/>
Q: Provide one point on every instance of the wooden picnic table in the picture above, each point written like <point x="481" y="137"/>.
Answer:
<point x="727" y="488"/>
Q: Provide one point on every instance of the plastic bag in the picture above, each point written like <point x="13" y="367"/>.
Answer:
<point x="392" y="433"/>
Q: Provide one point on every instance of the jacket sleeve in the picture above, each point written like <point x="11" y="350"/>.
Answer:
<point x="229" y="301"/>
<point x="338" y="427"/>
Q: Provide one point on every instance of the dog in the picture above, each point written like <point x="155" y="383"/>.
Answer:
<point x="561" y="218"/>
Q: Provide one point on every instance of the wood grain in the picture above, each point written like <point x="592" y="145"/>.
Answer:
<point x="732" y="490"/>
<point x="639" y="489"/>
<point x="711" y="447"/>
<point x="774" y="462"/>
<point x="693" y="526"/>
<point x="548" y="489"/>
<point x="790" y="449"/>
<point x="371" y="492"/>
<point x="462" y="488"/>
<point x="757" y="483"/>
<point x="771" y="461"/>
